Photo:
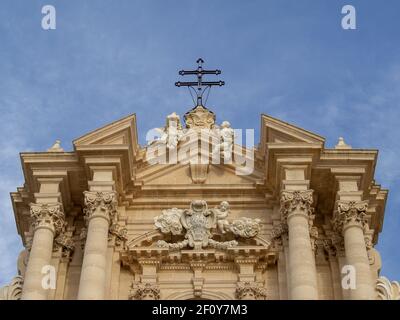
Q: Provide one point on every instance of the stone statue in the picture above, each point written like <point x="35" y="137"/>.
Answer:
<point x="227" y="136"/>
<point x="172" y="133"/>
<point x="222" y="213"/>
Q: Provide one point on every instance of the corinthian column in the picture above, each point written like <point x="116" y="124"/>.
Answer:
<point x="296" y="210"/>
<point x="99" y="211"/>
<point x="48" y="223"/>
<point x="349" y="220"/>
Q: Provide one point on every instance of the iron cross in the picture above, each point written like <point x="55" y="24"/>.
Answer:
<point x="200" y="86"/>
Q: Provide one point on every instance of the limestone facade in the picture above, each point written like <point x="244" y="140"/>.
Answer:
<point x="116" y="225"/>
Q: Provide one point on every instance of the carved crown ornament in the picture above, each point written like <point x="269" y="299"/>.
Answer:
<point x="48" y="216"/>
<point x="296" y="201"/>
<point x="199" y="224"/>
<point x="349" y="213"/>
<point x="200" y="117"/>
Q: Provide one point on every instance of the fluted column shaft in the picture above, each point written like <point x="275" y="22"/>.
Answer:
<point x="48" y="222"/>
<point x="100" y="208"/>
<point x="350" y="220"/>
<point x="296" y="210"/>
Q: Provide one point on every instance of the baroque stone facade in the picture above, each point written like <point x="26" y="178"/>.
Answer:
<point x="115" y="222"/>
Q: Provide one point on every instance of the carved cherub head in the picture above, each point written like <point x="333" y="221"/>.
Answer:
<point x="225" y="124"/>
<point x="224" y="206"/>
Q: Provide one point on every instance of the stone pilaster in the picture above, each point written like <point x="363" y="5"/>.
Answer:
<point x="296" y="211"/>
<point x="100" y="210"/>
<point x="48" y="222"/>
<point x="350" y="220"/>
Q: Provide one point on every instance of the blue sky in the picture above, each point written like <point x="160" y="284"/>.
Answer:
<point x="289" y="59"/>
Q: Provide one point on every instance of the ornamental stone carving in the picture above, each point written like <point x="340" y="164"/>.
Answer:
<point x="171" y="134"/>
<point x="295" y="201"/>
<point x="100" y="204"/>
<point x="120" y="233"/>
<point x="48" y="216"/>
<point x="387" y="290"/>
<point x="349" y="212"/>
<point x="144" y="291"/>
<point x="226" y="136"/>
<point x="245" y="227"/>
<point x="12" y="291"/>
<point x="169" y="221"/>
<point x="199" y="224"/>
<point x="199" y="118"/>
<point x="329" y="247"/>
<point x="65" y="243"/>
<point x="250" y="291"/>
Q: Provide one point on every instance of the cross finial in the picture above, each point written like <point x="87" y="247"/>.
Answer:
<point x="200" y="87"/>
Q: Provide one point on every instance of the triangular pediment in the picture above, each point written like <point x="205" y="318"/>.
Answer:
<point x="122" y="132"/>
<point x="279" y="132"/>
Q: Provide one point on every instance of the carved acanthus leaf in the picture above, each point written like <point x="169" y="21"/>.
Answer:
<point x="48" y="216"/>
<point x="349" y="212"/>
<point x="102" y="203"/>
<point x="293" y="201"/>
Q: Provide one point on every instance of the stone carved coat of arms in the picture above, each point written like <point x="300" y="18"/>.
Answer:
<point x="198" y="223"/>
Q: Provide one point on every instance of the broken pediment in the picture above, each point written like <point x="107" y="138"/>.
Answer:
<point x="121" y="132"/>
<point x="274" y="131"/>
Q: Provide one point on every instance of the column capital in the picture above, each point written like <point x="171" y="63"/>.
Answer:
<point x="250" y="291"/>
<point x="48" y="216"/>
<point x="296" y="202"/>
<point x="100" y="204"/>
<point x="349" y="213"/>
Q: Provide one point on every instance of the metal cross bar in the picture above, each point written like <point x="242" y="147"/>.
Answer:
<point x="201" y="86"/>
